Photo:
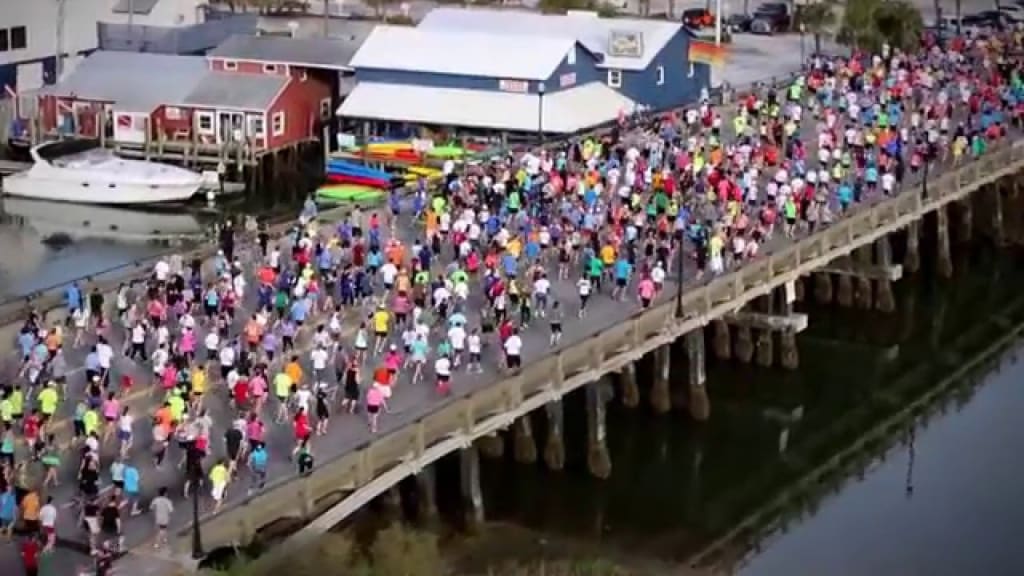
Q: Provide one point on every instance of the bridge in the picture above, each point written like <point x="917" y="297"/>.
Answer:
<point x="339" y="487"/>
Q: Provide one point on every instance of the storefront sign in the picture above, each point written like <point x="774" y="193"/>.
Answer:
<point x="517" y="86"/>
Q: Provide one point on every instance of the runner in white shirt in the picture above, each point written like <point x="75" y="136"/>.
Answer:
<point x="475" y="346"/>
<point x="583" y="287"/>
<point x="457" y="337"/>
<point x="227" y="360"/>
<point x="513" y="349"/>
<point x="319" y="358"/>
<point x="443" y="371"/>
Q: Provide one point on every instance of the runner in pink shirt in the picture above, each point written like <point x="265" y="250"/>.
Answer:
<point x="645" y="290"/>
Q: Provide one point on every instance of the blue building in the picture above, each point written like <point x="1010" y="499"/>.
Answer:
<point x="648" y="61"/>
<point x="482" y="81"/>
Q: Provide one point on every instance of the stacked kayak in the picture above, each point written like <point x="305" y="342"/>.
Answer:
<point x="414" y="173"/>
<point x="342" y="172"/>
<point x="337" y="193"/>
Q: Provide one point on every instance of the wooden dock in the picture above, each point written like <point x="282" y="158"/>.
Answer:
<point x="8" y="167"/>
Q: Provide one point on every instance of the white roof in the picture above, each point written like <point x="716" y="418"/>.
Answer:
<point x="513" y="57"/>
<point x="565" y="111"/>
<point x="587" y="28"/>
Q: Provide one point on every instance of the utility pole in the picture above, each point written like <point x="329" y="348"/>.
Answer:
<point x="59" y="68"/>
<point x="327" y="17"/>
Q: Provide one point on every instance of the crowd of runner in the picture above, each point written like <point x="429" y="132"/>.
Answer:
<point x="331" y="320"/>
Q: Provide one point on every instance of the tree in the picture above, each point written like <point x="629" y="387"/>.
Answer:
<point x="562" y="6"/>
<point x="868" y="24"/>
<point x="818" y="19"/>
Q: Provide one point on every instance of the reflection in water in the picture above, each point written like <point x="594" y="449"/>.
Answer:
<point x="43" y="244"/>
<point x="780" y="443"/>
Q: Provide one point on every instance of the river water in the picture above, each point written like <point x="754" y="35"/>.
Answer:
<point x="930" y="494"/>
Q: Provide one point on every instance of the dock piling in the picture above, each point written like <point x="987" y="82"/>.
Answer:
<point x="884" y="299"/>
<point x="628" y="384"/>
<point x="912" y="255"/>
<point x="765" y="348"/>
<point x="426" y="495"/>
<point x="472" y="496"/>
<point x="823" y="288"/>
<point x="492" y="445"/>
<point x="661" y="396"/>
<point x="599" y="460"/>
<point x="965" y="222"/>
<point x="944" y="260"/>
<point x="744" y="347"/>
<point x="524" y="446"/>
<point x="996" y="219"/>
<point x="789" y="355"/>
<point x="720" y="339"/>
<point x="844" y="291"/>
<point x="699" y="404"/>
<point x="862" y="292"/>
<point x="554" y="444"/>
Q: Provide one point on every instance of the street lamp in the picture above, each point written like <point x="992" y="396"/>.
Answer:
<point x="195" y="471"/>
<point x="681" y="259"/>
<point x="803" y="49"/>
<point x="540" y="111"/>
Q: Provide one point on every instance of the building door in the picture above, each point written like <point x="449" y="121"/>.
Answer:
<point x="230" y="127"/>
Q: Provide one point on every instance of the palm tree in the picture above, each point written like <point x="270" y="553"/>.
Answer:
<point x="867" y="24"/>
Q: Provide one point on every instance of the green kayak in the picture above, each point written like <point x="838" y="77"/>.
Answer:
<point x="349" y="193"/>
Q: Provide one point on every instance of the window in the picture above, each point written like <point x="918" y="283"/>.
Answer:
<point x="571" y="58"/>
<point x="204" y="122"/>
<point x="661" y="75"/>
<point x="4" y="46"/>
<point x="230" y="65"/>
<point x="277" y="123"/>
<point x="19" y="38"/>
<point x="256" y="127"/>
<point x="325" y="109"/>
<point x="303" y="76"/>
<point x="270" y="68"/>
<point x="615" y="78"/>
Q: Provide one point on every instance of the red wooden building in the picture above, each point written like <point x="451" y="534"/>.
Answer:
<point x="270" y="92"/>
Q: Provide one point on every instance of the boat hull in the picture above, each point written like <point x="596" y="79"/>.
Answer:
<point x="94" y="221"/>
<point x="53" y="189"/>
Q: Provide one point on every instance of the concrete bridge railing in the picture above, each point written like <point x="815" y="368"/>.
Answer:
<point x="370" y="469"/>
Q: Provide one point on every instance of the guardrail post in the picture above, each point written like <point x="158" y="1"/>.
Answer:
<point x="765" y="345"/>
<point x="307" y="502"/>
<point x="863" y="292"/>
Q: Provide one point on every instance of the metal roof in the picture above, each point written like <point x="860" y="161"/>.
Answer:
<point x="331" y="53"/>
<point x="133" y="82"/>
<point x="637" y="40"/>
<point x="135" y="6"/>
<point x="565" y="112"/>
<point x="235" y="91"/>
<point x="447" y="51"/>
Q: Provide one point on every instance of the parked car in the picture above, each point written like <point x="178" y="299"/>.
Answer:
<point x="770" y="18"/>
<point x="1012" y="12"/>
<point x="697" y="18"/>
<point x="738" y="23"/>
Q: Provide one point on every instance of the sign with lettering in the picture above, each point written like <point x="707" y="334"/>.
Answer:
<point x="625" y="44"/>
<point x="566" y="80"/>
<point x="172" y="113"/>
<point x="517" y="86"/>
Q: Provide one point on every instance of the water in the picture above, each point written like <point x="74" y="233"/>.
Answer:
<point x="678" y="488"/>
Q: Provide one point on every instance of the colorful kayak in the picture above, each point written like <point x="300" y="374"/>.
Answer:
<point x="359" y="181"/>
<point x="348" y="193"/>
<point x="446" y="152"/>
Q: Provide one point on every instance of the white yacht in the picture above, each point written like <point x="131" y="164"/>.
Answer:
<point x="78" y="171"/>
